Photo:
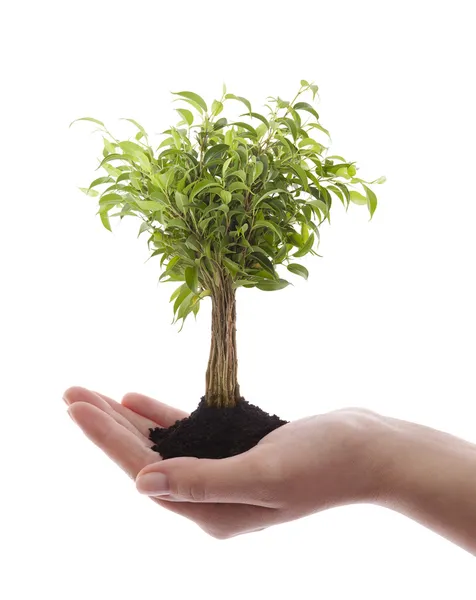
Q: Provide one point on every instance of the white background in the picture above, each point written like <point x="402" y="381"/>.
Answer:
<point x="386" y="320"/>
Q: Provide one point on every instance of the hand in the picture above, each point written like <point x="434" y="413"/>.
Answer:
<point x="302" y="467"/>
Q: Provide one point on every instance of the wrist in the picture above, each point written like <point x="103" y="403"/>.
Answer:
<point x="366" y="461"/>
<point x="381" y="456"/>
<point x="396" y="448"/>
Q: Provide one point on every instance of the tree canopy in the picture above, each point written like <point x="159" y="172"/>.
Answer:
<point x="235" y="198"/>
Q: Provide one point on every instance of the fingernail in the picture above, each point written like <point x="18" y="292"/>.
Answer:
<point x="71" y="416"/>
<point x="152" y="484"/>
<point x="66" y="400"/>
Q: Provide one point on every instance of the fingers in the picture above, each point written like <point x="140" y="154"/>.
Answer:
<point x="79" y="394"/>
<point x="120" y="444"/>
<point x="156" y="411"/>
<point x="248" y="478"/>
<point x="141" y="423"/>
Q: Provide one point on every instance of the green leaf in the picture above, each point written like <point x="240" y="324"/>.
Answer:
<point x="204" y="222"/>
<point x="265" y="263"/>
<point x="302" y="176"/>
<point x="298" y="270"/>
<point x="343" y="172"/>
<point x="247" y="283"/>
<point x="281" y="103"/>
<point x="100" y="180"/>
<point x="177" y="291"/>
<point x="214" y="152"/>
<point x="111" y="199"/>
<point x="258" y="169"/>
<point x="270" y="286"/>
<point x="257" y="249"/>
<point x="109" y="147"/>
<point x="148" y="204"/>
<point x="281" y="255"/>
<point x="357" y="198"/>
<point x="199" y="187"/>
<point x="291" y="125"/>
<point x="193" y="243"/>
<point x="220" y="124"/>
<point x="308" y="108"/>
<point x="240" y="173"/>
<point x="89" y="192"/>
<point x="261" y="130"/>
<point x="183" y="292"/>
<point x="259" y="199"/>
<point x="311" y="142"/>
<point x="269" y="225"/>
<point x="139" y="127"/>
<point x="195" y="97"/>
<point x="225" y="196"/>
<point x="257" y="116"/>
<point x="177" y="223"/>
<point x="105" y="220"/>
<point x="114" y="156"/>
<point x="134" y="149"/>
<point x="171" y="264"/>
<point x="125" y="176"/>
<point x="191" y="278"/>
<point x="88" y="119"/>
<point x="321" y="206"/>
<point x="159" y="197"/>
<point x="181" y="200"/>
<point x="237" y="185"/>
<point x="338" y="193"/>
<point x="345" y="191"/>
<point x="323" y="129"/>
<point x="240" y="99"/>
<point x="306" y="247"/>
<point x="167" y="142"/>
<point x="371" y="200"/>
<point x="217" y="107"/>
<point x="185" y="309"/>
<point x="231" y="266"/>
<point x="144" y="227"/>
<point x="186" y="115"/>
<point x="260" y="275"/>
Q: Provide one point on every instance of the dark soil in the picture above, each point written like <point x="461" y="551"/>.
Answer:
<point x="211" y="432"/>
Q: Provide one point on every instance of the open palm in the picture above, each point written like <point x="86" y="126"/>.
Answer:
<point x="121" y="430"/>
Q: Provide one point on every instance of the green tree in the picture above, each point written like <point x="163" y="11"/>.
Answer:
<point x="225" y="203"/>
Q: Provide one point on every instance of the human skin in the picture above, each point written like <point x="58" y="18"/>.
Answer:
<point x="343" y="457"/>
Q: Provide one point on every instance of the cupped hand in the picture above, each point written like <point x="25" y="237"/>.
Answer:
<point x="301" y="468"/>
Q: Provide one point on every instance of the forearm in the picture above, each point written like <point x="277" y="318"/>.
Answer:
<point x="430" y="476"/>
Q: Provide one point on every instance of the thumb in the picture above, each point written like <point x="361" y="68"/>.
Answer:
<point x="242" y="479"/>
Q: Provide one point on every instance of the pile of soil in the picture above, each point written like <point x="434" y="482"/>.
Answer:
<point x="211" y="432"/>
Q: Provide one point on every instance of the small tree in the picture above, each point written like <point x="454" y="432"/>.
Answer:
<point x="227" y="203"/>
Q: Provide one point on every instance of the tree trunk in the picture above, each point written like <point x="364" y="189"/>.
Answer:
<point x="222" y="387"/>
